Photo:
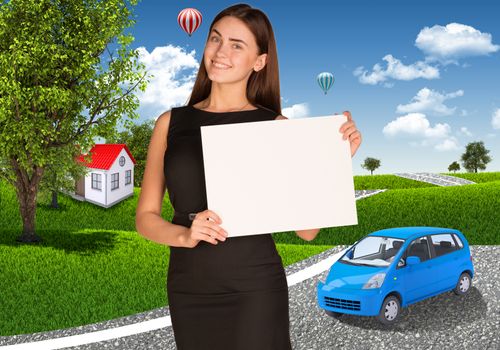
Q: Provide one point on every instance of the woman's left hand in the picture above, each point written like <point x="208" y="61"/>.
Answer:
<point x="349" y="131"/>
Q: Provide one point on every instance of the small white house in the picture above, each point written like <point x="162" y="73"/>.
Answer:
<point x="110" y="178"/>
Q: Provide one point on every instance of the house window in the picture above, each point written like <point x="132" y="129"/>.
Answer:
<point x="128" y="177"/>
<point x="114" y="181"/>
<point x="96" y="182"/>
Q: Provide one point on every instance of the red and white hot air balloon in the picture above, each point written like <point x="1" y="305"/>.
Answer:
<point x="189" y="19"/>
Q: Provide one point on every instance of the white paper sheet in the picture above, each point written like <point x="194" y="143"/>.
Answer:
<point x="279" y="175"/>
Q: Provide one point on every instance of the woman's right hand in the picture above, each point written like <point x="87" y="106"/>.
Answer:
<point x="202" y="229"/>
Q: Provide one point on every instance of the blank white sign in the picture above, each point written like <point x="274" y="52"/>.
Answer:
<point x="279" y="175"/>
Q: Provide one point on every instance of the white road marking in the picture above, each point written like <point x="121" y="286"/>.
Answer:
<point x="93" y="337"/>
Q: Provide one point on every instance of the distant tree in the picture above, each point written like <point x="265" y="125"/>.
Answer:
<point x="475" y="156"/>
<point x="371" y="164"/>
<point x="137" y="139"/>
<point x="454" y="167"/>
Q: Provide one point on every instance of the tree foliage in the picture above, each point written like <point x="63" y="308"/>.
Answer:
<point x="137" y="140"/>
<point x="454" y="166"/>
<point x="475" y="156"/>
<point x="57" y="91"/>
<point x="371" y="164"/>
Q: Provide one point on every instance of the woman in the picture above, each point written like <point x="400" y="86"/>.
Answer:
<point x="223" y="293"/>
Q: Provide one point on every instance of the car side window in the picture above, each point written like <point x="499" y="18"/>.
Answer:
<point x="458" y="240"/>
<point x="418" y="247"/>
<point x="443" y="244"/>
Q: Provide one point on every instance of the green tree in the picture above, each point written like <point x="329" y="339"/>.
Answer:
<point x="137" y="139"/>
<point x="56" y="89"/>
<point x="475" y="156"/>
<point x="454" y="167"/>
<point x="371" y="164"/>
<point x="61" y="177"/>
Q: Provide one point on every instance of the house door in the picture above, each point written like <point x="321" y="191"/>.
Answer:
<point x="80" y="187"/>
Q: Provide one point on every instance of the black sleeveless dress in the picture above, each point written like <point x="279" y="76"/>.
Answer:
<point x="233" y="295"/>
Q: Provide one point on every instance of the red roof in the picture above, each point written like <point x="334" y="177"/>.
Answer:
<point x="104" y="155"/>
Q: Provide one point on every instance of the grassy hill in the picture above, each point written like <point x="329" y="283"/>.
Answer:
<point x="93" y="266"/>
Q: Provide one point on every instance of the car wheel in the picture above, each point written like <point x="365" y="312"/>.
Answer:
<point x="333" y="314"/>
<point x="463" y="284"/>
<point x="390" y="310"/>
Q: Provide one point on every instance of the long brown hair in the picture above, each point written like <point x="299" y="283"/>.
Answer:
<point x="263" y="88"/>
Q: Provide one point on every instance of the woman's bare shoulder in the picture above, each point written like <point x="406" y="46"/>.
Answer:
<point x="164" y="118"/>
<point x="162" y="124"/>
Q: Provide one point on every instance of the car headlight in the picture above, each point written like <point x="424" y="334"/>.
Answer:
<point x="375" y="282"/>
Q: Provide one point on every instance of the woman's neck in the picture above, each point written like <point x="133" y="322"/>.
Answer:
<point x="226" y="98"/>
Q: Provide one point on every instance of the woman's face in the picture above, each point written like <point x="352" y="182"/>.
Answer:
<point x="232" y="45"/>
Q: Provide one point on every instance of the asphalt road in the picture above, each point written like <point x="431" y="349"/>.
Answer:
<point x="446" y="321"/>
<point x="443" y="322"/>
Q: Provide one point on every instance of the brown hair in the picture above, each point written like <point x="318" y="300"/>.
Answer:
<point x="263" y="88"/>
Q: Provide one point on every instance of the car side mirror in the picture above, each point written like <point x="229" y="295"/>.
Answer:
<point x="412" y="260"/>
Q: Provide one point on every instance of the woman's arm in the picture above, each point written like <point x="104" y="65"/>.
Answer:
<point x="148" y="220"/>
<point x="308" y="235"/>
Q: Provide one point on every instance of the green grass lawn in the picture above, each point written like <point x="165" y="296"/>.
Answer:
<point x="478" y="177"/>
<point x="378" y="182"/>
<point x="92" y="266"/>
<point x="472" y="209"/>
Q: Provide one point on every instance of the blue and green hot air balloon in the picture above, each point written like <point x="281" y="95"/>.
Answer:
<point x="325" y="81"/>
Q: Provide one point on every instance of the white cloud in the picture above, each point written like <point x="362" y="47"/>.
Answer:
<point x="174" y="73"/>
<point x="430" y="101"/>
<point x="417" y="125"/>
<point x="465" y="131"/>
<point x="495" y="119"/>
<point x="449" y="144"/>
<point x="454" y="41"/>
<point x="300" y="110"/>
<point x="442" y="44"/>
<point x="396" y="70"/>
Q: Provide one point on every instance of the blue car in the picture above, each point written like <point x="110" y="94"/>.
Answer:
<point x="393" y="268"/>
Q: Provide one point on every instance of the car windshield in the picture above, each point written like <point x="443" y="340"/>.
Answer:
<point x="373" y="251"/>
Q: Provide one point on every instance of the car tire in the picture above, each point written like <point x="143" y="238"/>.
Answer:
<point x="333" y="314"/>
<point x="390" y="310"/>
<point x="463" y="284"/>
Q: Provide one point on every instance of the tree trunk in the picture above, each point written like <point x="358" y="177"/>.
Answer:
<point x="371" y="172"/>
<point x="26" y="190"/>
<point x="54" y="200"/>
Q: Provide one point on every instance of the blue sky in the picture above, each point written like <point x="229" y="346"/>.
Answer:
<point x="419" y="77"/>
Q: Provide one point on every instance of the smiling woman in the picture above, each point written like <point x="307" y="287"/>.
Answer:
<point x="234" y="288"/>
<point x="223" y="293"/>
